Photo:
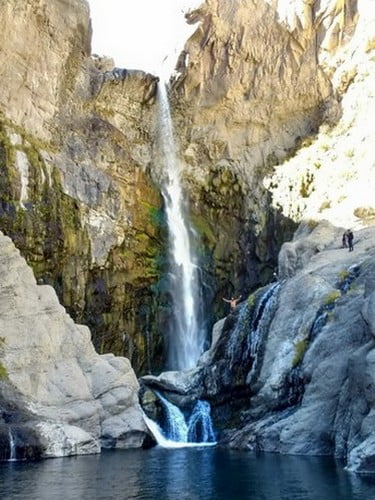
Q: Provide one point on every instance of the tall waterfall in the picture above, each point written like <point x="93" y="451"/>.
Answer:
<point x="186" y="334"/>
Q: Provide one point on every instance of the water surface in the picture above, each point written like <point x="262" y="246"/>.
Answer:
<point x="183" y="474"/>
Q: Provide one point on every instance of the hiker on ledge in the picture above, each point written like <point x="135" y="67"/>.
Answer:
<point x="350" y="237"/>
<point x="233" y="302"/>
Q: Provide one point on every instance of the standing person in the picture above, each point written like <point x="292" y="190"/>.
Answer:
<point x="233" y="302"/>
<point x="344" y="239"/>
<point x="350" y="237"/>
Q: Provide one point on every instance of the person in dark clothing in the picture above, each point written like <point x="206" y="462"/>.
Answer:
<point x="344" y="239"/>
<point x="350" y="237"/>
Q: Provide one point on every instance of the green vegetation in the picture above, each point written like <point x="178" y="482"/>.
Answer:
<point x="306" y="185"/>
<point x="156" y="215"/>
<point x="300" y="347"/>
<point x="349" y="153"/>
<point x="251" y="300"/>
<point x="3" y="372"/>
<point x="332" y="297"/>
<point x="312" y="223"/>
<point x="343" y="275"/>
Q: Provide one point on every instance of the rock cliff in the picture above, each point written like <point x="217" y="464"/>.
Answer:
<point x="75" y="194"/>
<point x="291" y="369"/>
<point x="269" y="103"/>
<point x="58" y="396"/>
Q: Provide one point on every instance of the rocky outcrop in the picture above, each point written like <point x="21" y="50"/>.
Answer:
<point x="253" y="85"/>
<point x="75" y="193"/>
<point x="55" y="387"/>
<point x="292" y="369"/>
<point x="322" y="179"/>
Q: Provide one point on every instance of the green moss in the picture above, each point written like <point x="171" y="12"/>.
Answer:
<point x="343" y="275"/>
<point x="332" y="297"/>
<point x="203" y="227"/>
<point x="3" y="372"/>
<point x="300" y="348"/>
<point x="251" y="300"/>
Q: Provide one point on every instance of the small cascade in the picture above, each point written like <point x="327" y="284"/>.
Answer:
<point x="12" y="447"/>
<point x="348" y="277"/>
<point x="200" y="429"/>
<point x="178" y="431"/>
<point x="22" y="165"/>
<point x="176" y="427"/>
<point x="244" y="342"/>
<point x="261" y="320"/>
<point x="240" y="330"/>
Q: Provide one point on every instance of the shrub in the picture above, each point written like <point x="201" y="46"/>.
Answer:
<point x="343" y="275"/>
<point x="251" y="300"/>
<point x="3" y="372"/>
<point x="332" y="297"/>
<point x="300" y="347"/>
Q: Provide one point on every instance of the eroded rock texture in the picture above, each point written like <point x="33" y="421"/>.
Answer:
<point x="59" y="395"/>
<point x="75" y="196"/>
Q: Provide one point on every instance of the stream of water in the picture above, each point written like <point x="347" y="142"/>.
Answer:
<point x="186" y="336"/>
<point x="183" y="474"/>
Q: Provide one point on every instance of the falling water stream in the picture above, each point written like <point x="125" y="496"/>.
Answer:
<point x="179" y="429"/>
<point x="12" y="446"/>
<point x="186" y="335"/>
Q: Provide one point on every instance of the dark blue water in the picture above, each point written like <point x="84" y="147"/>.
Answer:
<point x="183" y="474"/>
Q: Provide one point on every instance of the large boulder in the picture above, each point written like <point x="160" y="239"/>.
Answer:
<point x="79" y="399"/>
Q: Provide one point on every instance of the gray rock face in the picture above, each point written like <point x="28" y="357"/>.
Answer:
<point x="80" y="400"/>
<point x="293" y="369"/>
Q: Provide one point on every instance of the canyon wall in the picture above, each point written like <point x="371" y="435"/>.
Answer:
<point x="256" y="87"/>
<point x="76" y="198"/>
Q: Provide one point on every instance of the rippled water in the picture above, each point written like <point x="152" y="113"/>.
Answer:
<point x="183" y="474"/>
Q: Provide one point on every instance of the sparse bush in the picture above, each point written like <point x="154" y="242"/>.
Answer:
<point x="306" y="185"/>
<point x="350" y="153"/>
<point x="343" y="274"/>
<point x="3" y="372"/>
<point x="300" y="347"/>
<point x="325" y="205"/>
<point x="332" y="297"/>
<point x="251" y="300"/>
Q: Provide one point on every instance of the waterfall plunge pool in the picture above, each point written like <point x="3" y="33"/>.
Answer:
<point x="183" y="474"/>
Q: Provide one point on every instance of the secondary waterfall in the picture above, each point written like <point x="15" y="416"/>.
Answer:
<point x="179" y="430"/>
<point x="175" y="428"/>
<point x="12" y="447"/>
<point x="186" y="335"/>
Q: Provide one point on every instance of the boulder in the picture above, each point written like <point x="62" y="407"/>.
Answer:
<point x="79" y="399"/>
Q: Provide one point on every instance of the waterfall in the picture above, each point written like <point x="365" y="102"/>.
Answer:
<point x="176" y="427"/>
<point x="197" y="430"/>
<point x="12" y="447"/>
<point x="186" y="336"/>
<point x="263" y="314"/>
<point x="246" y="339"/>
<point x="200" y="429"/>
